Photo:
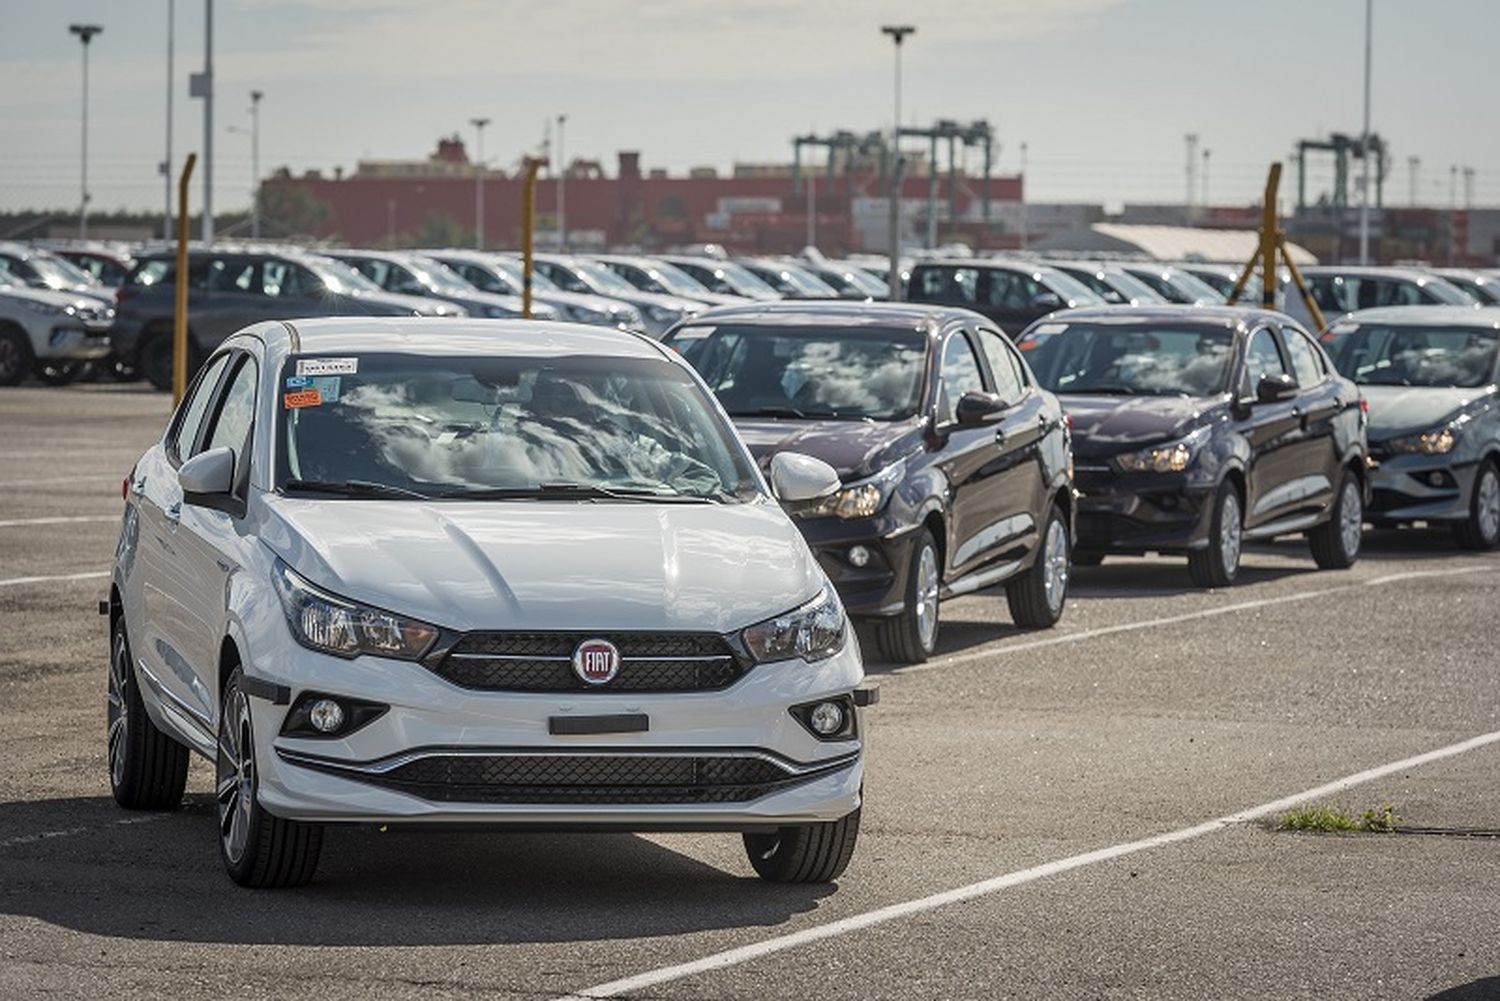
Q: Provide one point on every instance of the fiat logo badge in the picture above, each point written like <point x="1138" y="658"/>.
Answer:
<point x="596" y="661"/>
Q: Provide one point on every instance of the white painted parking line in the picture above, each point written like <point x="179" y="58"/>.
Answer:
<point x="893" y="912"/>
<point x="54" y="578"/>
<point x="46" y="480"/>
<point x="1058" y="639"/>
<point x="59" y="520"/>
<point x="31" y="839"/>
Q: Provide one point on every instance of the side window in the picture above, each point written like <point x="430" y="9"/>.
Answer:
<point x="284" y="279"/>
<point x="958" y="375"/>
<point x="562" y="276"/>
<point x="376" y="271"/>
<point x="1402" y="294"/>
<point x="1010" y="381"/>
<point x="236" y="414"/>
<point x="185" y="433"/>
<point x="1262" y="358"/>
<point x="1011" y="289"/>
<point x="1307" y="361"/>
<point x="231" y="274"/>
<point x="1329" y="292"/>
<point x="954" y="285"/>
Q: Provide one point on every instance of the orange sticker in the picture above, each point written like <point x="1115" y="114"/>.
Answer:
<point x="305" y="398"/>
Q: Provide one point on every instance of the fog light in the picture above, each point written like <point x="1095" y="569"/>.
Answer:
<point x="827" y="718"/>
<point x="326" y="715"/>
<point x="858" y="556"/>
<point x="1437" y="479"/>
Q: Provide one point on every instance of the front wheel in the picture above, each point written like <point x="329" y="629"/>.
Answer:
<point x="147" y="768"/>
<point x="807" y="853"/>
<point x="1481" y="530"/>
<point x="1037" y="596"/>
<point x="15" y="356"/>
<point x="911" y="636"/>
<point x="258" y="849"/>
<point x="1218" y="563"/>
<point x="1335" y="543"/>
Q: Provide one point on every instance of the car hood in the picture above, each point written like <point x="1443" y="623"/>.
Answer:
<point x="49" y="297"/>
<point x="418" y="304"/>
<point x="1105" y="424"/>
<point x="550" y="564"/>
<point x="643" y="300"/>
<point x="1398" y="410"/>
<point x="856" y="449"/>
<point x="598" y="303"/>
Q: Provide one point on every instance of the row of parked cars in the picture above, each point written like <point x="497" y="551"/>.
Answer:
<point x="446" y="571"/>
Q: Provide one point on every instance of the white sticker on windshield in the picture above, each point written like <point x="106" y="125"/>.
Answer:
<point x="327" y="366"/>
<point x="693" y="333"/>
<point x="1343" y="328"/>
<point x="1050" y="328"/>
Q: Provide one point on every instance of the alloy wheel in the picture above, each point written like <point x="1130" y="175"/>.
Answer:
<point x="11" y="361"/>
<point x="1351" y="518"/>
<point x="1231" y="532"/>
<point x="927" y="597"/>
<point x="1487" y="505"/>
<point x="117" y="712"/>
<point x="235" y="790"/>
<point x="1055" y="567"/>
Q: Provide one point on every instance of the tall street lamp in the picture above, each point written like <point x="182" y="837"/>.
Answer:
<point x="85" y="33"/>
<point x="255" y="96"/>
<point x="897" y="34"/>
<point x="562" y="186"/>
<point x="479" y="124"/>
<point x="1364" y="150"/>
<point x="166" y="164"/>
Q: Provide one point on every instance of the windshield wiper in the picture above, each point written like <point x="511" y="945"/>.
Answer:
<point x="788" y="411"/>
<point x="577" y="491"/>
<point x="355" y="488"/>
<point x="1111" y="390"/>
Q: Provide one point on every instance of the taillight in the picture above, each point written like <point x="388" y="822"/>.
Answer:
<point x="1068" y="422"/>
<point x="1364" y="405"/>
<point x="123" y="293"/>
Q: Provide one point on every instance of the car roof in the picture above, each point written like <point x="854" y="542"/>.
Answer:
<point x="1370" y="271"/>
<point x="443" y="336"/>
<point x="1239" y="316"/>
<point x="1428" y="316"/>
<point x="799" y="312"/>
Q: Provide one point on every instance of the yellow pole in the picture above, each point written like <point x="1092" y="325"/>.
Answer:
<point x="528" y="228"/>
<point x="1244" y="278"/>
<point x="1307" y="296"/>
<point x="1268" y="228"/>
<point x="180" y="314"/>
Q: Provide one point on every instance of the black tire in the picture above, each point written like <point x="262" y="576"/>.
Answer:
<point x="1335" y="543"/>
<point x="154" y="359"/>
<point x="1087" y="558"/>
<point x="16" y="358"/>
<point x="147" y="768"/>
<point x="59" y="373"/>
<point x="906" y="638"/>
<point x="1218" y="564"/>
<point x="1038" y="596"/>
<point x="807" y="853"/>
<point x="1481" y="530"/>
<point x="258" y="849"/>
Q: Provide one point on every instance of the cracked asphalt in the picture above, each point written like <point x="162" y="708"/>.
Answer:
<point x="1154" y="707"/>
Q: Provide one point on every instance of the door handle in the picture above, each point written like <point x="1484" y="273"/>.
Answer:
<point x="224" y="564"/>
<point x="173" y="513"/>
<point x="999" y="436"/>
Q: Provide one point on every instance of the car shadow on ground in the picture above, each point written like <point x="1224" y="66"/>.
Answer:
<point x="162" y="879"/>
<point x="1487" y="989"/>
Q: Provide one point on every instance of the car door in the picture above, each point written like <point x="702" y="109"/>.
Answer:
<point x="1272" y="429"/>
<point x="207" y="538"/>
<point x="1027" y="422"/>
<point x="1318" y="406"/>
<point x="165" y="573"/>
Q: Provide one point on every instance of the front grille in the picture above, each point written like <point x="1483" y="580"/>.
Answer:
<point x="543" y="662"/>
<point x="585" y="778"/>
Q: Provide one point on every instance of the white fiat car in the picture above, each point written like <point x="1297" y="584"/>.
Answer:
<point x="489" y="572"/>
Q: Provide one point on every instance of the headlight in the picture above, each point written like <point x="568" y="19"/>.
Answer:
<point x="1173" y="457"/>
<point x="813" y="632"/>
<point x="344" y="628"/>
<point x="583" y="314"/>
<point x="862" y="499"/>
<point x="44" y="308"/>
<point x="661" y="314"/>
<point x="1438" y="441"/>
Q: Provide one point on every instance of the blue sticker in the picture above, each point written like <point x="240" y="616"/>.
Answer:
<point x="298" y="382"/>
<point x="326" y="385"/>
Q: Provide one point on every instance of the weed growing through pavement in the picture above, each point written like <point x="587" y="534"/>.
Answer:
<point x="1331" y="820"/>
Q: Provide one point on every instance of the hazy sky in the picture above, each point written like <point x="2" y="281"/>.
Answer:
<point x="1101" y="90"/>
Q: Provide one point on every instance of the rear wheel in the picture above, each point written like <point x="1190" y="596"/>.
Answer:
<point x="1038" y="596"/>
<point x="147" y="768"/>
<point x="1481" y="530"/>
<point x="156" y="359"/>
<point x="1335" y="543"/>
<point x="911" y="636"/>
<point x="258" y="849"/>
<point x="15" y="356"/>
<point x="1218" y="564"/>
<point x="807" y="853"/>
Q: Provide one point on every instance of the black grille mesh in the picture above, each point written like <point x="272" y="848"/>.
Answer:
<point x="541" y="662"/>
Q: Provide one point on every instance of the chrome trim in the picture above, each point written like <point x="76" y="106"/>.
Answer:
<point x="383" y="765"/>
<point x="176" y="701"/>
<point x="552" y="658"/>
<point x="981" y="579"/>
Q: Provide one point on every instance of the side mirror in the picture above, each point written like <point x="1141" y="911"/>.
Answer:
<point x="1046" y="300"/>
<point x="1275" y="388"/>
<point x="208" y="477"/>
<point x="976" y="408"/>
<point x="796" y="477"/>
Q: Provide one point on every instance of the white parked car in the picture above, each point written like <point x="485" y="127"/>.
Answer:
<point x="477" y="572"/>
<point x="51" y="333"/>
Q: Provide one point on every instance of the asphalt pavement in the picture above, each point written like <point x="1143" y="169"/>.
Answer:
<point x="1088" y="812"/>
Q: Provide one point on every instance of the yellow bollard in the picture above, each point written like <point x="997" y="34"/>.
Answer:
<point x="180" y="314"/>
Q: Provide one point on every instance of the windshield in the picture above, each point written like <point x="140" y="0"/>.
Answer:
<point x="1070" y="288"/>
<point x="1442" y="292"/>
<point x="743" y="282"/>
<point x="674" y="279"/>
<point x="1146" y="359"/>
<point x="1394" y="355"/>
<point x="439" y="277"/>
<point x="796" y="282"/>
<point x="340" y="278"/>
<point x="605" y="281"/>
<point x="399" y="424"/>
<point x="808" y="372"/>
<point x="1128" y="285"/>
<point x="58" y="273"/>
<point x="514" y="271"/>
<point x="1177" y="286"/>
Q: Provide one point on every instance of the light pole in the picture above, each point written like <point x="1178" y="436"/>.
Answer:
<point x="202" y="85"/>
<point x="897" y="34"/>
<point x="562" y="186"/>
<point x="1024" y="234"/>
<point x="166" y="164"/>
<point x="255" y="96"/>
<point x="85" y="33"/>
<point x="1206" y="154"/>
<point x="479" y="124"/>
<point x="1364" y="150"/>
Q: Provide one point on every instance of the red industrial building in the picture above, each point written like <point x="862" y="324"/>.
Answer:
<point x="755" y="209"/>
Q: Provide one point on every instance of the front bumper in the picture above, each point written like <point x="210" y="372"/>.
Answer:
<point x="877" y="589"/>
<point x="418" y="761"/>
<point x="78" y="343"/>
<point x="1406" y="488"/>
<point x="1141" y="512"/>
